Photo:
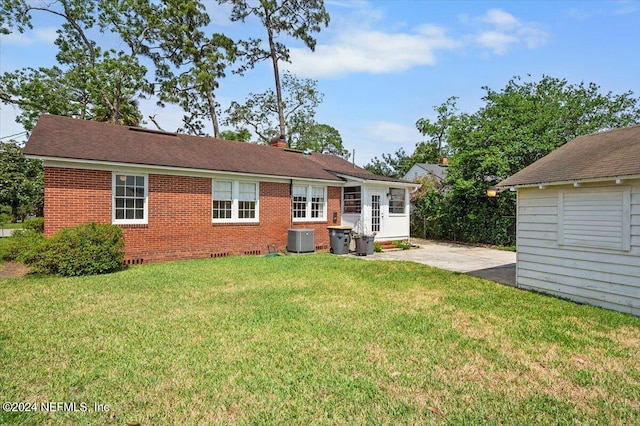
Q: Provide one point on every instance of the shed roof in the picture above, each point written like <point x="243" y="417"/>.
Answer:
<point x="67" y="138"/>
<point x="610" y="154"/>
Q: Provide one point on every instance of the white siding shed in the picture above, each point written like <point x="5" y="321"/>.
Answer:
<point x="587" y="258"/>
<point x="578" y="226"/>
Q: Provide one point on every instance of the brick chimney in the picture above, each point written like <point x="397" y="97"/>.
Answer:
<point x="278" y="141"/>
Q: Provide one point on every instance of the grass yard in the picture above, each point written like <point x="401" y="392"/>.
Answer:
<point x="315" y="339"/>
<point x="18" y="225"/>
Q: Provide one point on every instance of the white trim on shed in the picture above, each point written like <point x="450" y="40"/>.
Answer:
<point x="554" y="257"/>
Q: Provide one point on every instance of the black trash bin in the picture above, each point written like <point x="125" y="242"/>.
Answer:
<point x="339" y="239"/>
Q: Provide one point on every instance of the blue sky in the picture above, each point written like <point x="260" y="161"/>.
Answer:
<point x="383" y="64"/>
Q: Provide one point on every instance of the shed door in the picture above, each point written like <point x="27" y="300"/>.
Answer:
<point x="379" y="207"/>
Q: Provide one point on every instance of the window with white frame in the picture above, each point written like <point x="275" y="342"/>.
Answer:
<point x="318" y="203"/>
<point x="309" y="202"/>
<point x="235" y="201"/>
<point x="396" y="200"/>
<point x="595" y="217"/>
<point x="129" y="198"/>
<point x="299" y="202"/>
<point x="247" y="200"/>
<point x="351" y="199"/>
<point x="222" y="199"/>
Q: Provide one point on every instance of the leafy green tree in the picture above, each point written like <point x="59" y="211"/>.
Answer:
<point x="517" y="126"/>
<point x="527" y="120"/>
<point x="190" y="64"/>
<point x="392" y="165"/>
<point x="430" y="151"/>
<point x="322" y="138"/>
<point x="89" y="80"/>
<point x="428" y="208"/>
<point x="398" y="164"/>
<point x="260" y="113"/>
<point x="438" y="131"/>
<point x="21" y="180"/>
<point x="299" y="19"/>
<point x="242" y="135"/>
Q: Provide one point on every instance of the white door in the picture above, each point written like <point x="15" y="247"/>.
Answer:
<point x="379" y="211"/>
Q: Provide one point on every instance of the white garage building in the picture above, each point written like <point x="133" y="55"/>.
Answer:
<point x="578" y="221"/>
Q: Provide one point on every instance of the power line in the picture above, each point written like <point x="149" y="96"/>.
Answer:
<point x="16" y="134"/>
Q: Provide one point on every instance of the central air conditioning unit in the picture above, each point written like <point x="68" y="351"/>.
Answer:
<point x="301" y="241"/>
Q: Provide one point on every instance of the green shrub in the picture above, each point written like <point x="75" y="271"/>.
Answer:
<point x="22" y="244"/>
<point x="35" y="224"/>
<point x="82" y="250"/>
<point x="404" y="245"/>
<point x="5" y="218"/>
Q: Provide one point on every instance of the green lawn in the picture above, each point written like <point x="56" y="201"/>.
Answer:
<point x="314" y="339"/>
<point x="18" y="225"/>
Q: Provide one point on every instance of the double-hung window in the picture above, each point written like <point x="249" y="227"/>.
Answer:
<point x="309" y="203"/>
<point x="299" y="202"/>
<point x="222" y="199"/>
<point x="318" y="202"/>
<point x="235" y="201"/>
<point x="129" y="198"/>
<point x="247" y="200"/>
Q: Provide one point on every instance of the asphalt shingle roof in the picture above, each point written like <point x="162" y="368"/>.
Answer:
<point x="68" y="138"/>
<point x="610" y="154"/>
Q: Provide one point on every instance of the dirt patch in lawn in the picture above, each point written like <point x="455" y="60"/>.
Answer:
<point x="13" y="270"/>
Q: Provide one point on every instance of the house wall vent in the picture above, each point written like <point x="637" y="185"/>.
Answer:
<point x="301" y="241"/>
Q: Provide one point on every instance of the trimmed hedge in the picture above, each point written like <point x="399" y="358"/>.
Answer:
<point x="81" y="250"/>
<point x="34" y="224"/>
<point x="22" y="244"/>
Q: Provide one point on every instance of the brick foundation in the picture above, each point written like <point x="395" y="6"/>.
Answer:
<point x="179" y="208"/>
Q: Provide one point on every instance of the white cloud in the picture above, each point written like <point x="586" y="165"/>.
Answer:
<point x="497" y="41"/>
<point x="364" y="50"/>
<point x="625" y="7"/>
<point x="579" y="14"/>
<point x="500" y="19"/>
<point x="45" y="34"/>
<point x="500" y="31"/>
<point x="362" y="40"/>
<point x="16" y="39"/>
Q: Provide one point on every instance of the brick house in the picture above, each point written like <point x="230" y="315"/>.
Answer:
<point x="179" y="196"/>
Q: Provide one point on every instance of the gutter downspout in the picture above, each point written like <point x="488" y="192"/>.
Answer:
<point x="290" y="203"/>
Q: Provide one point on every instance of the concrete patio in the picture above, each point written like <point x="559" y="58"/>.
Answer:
<point x="491" y="264"/>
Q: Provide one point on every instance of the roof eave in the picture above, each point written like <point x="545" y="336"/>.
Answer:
<point x="575" y="182"/>
<point x="376" y="181"/>
<point x="109" y="165"/>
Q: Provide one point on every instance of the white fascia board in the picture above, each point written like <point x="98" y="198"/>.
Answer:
<point x="610" y="179"/>
<point x="176" y="171"/>
<point x="378" y="182"/>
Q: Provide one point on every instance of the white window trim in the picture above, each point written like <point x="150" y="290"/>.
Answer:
<point x="309" y="201"/>
<point x="235" y="190"/>
<point x="143" y="221"/>
<point x="625" y="242"/>
<point x="406" y="207"/>
<point x="362" y="194"/>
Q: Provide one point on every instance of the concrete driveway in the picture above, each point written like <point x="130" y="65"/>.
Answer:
<point x="491" y="264"/>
